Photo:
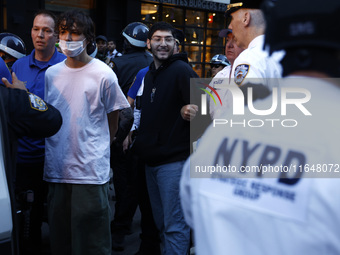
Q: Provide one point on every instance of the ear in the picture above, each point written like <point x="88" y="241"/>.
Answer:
<point x="148" y="43"/>
<point x="246" y="18"/>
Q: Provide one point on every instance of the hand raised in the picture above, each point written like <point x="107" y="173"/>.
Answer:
<point x="16" y="83"/>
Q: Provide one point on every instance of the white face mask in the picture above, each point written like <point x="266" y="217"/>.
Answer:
<point x="71" y="48"/>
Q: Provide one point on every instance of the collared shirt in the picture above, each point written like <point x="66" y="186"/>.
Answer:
<point x="216" y="109"/>
<point x="254" y="62"/>
<point x="32" y="73"/>
<point x="228" y="200"/>
<point x="4" y="72"/>
<point x="114" y="54"/>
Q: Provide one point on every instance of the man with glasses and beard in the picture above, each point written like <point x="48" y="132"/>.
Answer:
<point x="163" y="140"/>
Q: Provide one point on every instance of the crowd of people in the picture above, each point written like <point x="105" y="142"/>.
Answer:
<point x="83" y="109"/>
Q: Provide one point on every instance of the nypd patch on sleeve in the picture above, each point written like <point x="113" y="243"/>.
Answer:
<point x="241" y="72"/>
<point x="37" y="103"/>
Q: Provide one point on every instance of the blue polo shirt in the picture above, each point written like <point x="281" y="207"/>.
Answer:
<point x="4" y="72"/>
<point x="137" y="83"/>
<point x="32" y="73"/>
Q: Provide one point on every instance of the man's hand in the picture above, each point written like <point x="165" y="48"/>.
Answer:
<point x="188" y="112"/>
<point x="16" y="83"/>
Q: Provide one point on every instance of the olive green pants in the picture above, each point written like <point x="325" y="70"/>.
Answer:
<point x="79" y="219"/>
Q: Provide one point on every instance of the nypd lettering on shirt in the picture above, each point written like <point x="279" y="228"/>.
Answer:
<point x="277" y="193"/>
<point x="241" y="72"/>
<point x="37" y="103"/>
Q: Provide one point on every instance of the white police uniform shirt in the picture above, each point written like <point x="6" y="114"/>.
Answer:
<point x="215" y="108"/>
<point x="137" y="112"/>
<point x="261" y="216"/>
<point x="254" y="62"/>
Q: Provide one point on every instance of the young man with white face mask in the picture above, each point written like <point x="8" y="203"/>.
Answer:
<point x="77" y="161"/>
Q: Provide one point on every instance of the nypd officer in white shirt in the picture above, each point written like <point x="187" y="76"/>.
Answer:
<point x="248" y="25"/>
<point x="232" y="51"/>
<point x="235" y="209"/>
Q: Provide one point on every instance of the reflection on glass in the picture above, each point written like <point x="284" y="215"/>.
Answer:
<point x="195" y="18"/>
<point x="173" y="15"/>
<point x="207" y="71"/>
<point x="197" y="68"/>
<point x="195" y="53"/>
<point x="194" y="36"/>
<point x="215" y="20"/>
<point x="213" y="39"/>
<point x="149" y="12"/>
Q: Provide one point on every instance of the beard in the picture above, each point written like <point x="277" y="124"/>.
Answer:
<point x="162" y="53"/>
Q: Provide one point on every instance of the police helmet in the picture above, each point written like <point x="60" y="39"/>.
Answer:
<point x="303" y="23"/>
<point x="136" y="33"/>
<point x="219" y="59"/>
<point x="12" y="45"/>
<point x="92" y="49"/>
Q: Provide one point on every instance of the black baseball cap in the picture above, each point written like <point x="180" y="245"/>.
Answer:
<point x="101" y="37"/>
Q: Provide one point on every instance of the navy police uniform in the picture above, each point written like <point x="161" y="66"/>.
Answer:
<point x="23" y="114"/>
<point x="124" y="163"/>
<point x="127" y="66"/>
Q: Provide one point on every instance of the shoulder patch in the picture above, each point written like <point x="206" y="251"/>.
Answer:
<point x="241" y="72"/>
<point x="37" y="103"/>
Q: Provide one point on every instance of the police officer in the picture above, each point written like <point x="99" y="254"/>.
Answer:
<point x="11" y="48"/>
<point x="217" y="63"/>
<point x="248" y="26"/>
<point x="232" y="51"/>
<point x="237" y="210"/>
<point x="135" y="57"/>
<point x="101" y="42"/>
<point x="21" y="114"/>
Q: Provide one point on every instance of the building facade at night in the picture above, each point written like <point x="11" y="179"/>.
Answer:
<point x="199" y="20"/>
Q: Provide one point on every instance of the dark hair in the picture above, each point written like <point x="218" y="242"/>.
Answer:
<point x="83" y="22"/>
<point x="46" y="13"/>
<point x="111" y="40"/>
<point x="162" y="26"/>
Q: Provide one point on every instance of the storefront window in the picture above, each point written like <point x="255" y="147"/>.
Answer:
<point x="195" y="18"/>
<point x="150" y="13"/>
<point x="215" y="20"/>
<point x="212" y="51"/>
<point x="201" y="30"/>
<point x="194" y="36"/>
<point x="212" y="38"/>
<point x="173" y="15"/>
<point x="195" y="53"/>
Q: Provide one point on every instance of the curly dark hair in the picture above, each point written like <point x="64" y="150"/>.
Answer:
<point x="84" y="24"/>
